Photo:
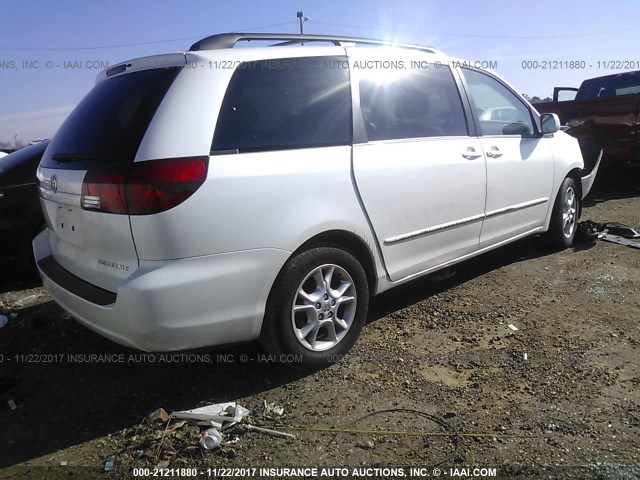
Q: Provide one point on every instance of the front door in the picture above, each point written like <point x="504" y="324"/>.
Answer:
<point x="519" y="161"/>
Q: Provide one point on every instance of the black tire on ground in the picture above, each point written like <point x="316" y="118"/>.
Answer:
<point x="328" y="289"/>
<point x="564" y="218"/>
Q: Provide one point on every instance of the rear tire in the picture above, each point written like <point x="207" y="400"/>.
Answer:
<point x="564" y="218"/>
<point x="317" y="308"/>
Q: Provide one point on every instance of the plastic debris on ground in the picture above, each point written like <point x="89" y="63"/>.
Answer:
<point x="226" y="414"/>
<point x="233" y="441"/>
<point x="186" y="434"/>
<point x="3" y="320"/>
<point x="109" y="463"/>
<point x="12" y="404"/>
<point x="272" y="410"/>
<point x="268" y="431"/>
<point x="513" y="327"/>
<point x="590" y="231"/>
<point x="621" y="230"/>
<point x="619" y="240"/>
<point x="23" y="299"/>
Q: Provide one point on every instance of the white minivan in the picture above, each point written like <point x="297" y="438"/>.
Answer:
<point x="226" y="194"/>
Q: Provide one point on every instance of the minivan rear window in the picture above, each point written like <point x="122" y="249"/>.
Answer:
<point x="107" y="126"/>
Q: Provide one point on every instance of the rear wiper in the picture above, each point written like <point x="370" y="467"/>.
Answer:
<point x="73" y="157"/>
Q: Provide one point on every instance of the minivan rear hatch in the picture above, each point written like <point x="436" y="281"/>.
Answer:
<point x="90" y="233"/>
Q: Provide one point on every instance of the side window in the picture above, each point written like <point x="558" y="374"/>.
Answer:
<point x="497" y="110"/>
<point x="414" y="104"/>
<point x="286" y="103"/>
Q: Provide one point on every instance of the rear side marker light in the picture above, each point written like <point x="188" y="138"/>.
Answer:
<point x="104" y="190"/>
<point x="143" y="188"/>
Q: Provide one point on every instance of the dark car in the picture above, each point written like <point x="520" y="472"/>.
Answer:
<point x="20" y="214"/>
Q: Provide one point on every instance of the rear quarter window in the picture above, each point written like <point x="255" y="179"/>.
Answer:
<point x="286" y="103"/>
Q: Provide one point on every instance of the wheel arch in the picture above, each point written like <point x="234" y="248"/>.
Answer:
<point x="350" y="242"/>
<point x="342" y="239"/>
<point x="574" y="174"/>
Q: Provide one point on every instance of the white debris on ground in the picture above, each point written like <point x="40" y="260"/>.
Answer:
<point x="174" y="437"/>
<point x="272" y="410"/>
<point x="223" y="414"/>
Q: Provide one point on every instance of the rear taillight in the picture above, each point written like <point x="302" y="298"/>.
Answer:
<point x="159" y="185"/>
<point x="143" y="188"/>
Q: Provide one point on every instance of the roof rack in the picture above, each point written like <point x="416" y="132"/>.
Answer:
<point x="228" y="40"/>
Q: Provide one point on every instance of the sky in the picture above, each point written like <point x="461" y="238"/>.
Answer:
<point x="51" y="52"/>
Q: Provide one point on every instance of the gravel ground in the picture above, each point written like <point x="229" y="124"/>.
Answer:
<point x="437" y="380"/>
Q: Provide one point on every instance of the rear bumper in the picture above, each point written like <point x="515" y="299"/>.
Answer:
<point x="172" y="305"/>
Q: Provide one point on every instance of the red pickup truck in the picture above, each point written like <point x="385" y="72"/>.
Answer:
<point x="604" y="114"/>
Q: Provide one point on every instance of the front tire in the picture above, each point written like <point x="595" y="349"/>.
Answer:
<point x="564" y="218"/>
<point x="316" y="309"/>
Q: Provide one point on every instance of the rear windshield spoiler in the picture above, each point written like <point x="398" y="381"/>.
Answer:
<point x="143" y="63"/>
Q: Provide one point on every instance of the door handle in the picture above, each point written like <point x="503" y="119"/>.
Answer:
<point x="1" y="195"/>
<point x="471" y="154"/>
<point x="494" y="152"/>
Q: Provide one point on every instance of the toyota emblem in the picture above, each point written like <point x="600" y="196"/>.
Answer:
<point x="54" y="184"/>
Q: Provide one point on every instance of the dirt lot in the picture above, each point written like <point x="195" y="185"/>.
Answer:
<point x="437" y="371"/>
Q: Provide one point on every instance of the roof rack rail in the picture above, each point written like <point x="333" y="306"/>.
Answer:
<point x="229" y="40"/>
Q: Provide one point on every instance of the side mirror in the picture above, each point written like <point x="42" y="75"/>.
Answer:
<point x="550" y="123"/>
<point x="516" y="128"/>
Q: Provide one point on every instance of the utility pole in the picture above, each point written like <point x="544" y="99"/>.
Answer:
<point x="302" y="19"/>
<point x="15" y="141"/>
